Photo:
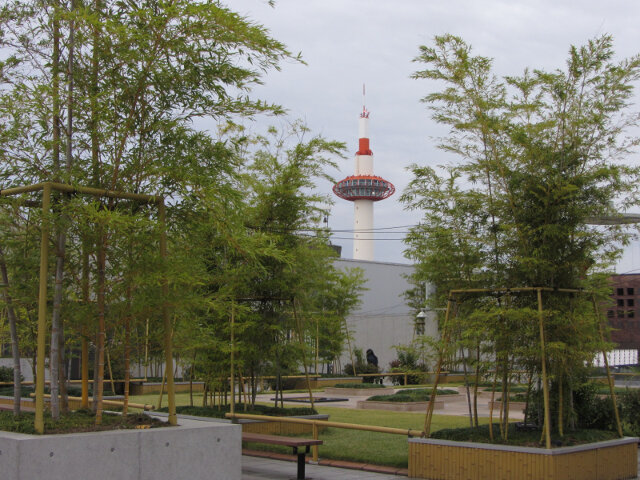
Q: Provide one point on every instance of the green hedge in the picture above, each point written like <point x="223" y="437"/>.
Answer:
<point x="411" y="395"/>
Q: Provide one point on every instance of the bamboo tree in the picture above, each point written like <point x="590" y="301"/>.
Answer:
<point x="542" y="153"/>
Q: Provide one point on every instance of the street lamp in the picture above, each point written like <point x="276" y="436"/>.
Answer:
<point x="419" y="325"/>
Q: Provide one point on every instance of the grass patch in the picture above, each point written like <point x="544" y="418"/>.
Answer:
<point x="522" y="438"/>
<point x="74" y="422"/>
<point x="370" y="447"/>
<point x="412" y="395"/>
<point x="216" y="412"/>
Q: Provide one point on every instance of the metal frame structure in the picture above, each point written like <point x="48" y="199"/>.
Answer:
<point x="46" y="188"/>
<point x="545" y="384"/>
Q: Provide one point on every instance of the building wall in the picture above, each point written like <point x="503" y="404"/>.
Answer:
<point x="624" y="311"/>
<point x="383" y="319"/>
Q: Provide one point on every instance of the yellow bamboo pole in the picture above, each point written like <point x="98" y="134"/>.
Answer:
<point x="545" y="385"/>
<point x="606" y="364"/>
<point x="114" y="403"/>
<point x="26" y="189"/>
<point x="326" y="423"/>
<point x="314" y="448"/>
<point x="168" y="330"/>
<point x="42" y="309"/>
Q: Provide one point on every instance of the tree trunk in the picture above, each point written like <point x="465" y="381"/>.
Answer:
<point x="55" y="322"/>
<point x="15" y="351"/>
<point x="98" y="383"/>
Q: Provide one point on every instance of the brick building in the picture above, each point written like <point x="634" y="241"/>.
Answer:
<point x="624" y="312"/>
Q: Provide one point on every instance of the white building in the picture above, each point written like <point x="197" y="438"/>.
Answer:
<point x="384" y="318"/>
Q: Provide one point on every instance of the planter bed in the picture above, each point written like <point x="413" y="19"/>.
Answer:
<point x="359" y="392"/>
<point x="322" y="382"/>
<point x="448" y="460"/>
<point x="398" y="406"/>
<point x="143" y="388"/>
<point x="197" y="450"/>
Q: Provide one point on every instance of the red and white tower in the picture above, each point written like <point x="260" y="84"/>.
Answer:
<point x="363" y="189"/>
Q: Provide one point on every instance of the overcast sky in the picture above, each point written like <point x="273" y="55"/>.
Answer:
<point x="350" y="42"/>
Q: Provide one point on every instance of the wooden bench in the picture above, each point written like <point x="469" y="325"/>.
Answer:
<point x="293" y="442"/>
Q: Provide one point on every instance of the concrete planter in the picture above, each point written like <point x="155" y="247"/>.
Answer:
<point x="358" y="392"/>
<point x="196" y="450"/>
<point x="399" y="406"/>
<point x="447" y="460"/>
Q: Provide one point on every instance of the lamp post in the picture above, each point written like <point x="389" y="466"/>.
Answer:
<point x="419" y="323"/>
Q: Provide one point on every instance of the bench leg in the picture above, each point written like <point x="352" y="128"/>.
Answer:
<point x="301" y="462"/>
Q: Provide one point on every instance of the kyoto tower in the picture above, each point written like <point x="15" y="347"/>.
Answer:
<point x="363" y="189"/>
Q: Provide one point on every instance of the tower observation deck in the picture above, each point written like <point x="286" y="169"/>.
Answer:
<point x="363" y="189"/>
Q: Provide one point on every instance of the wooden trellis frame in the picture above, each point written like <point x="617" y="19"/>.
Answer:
<point x="545" y="384"/>
<point x="46" y="188"/>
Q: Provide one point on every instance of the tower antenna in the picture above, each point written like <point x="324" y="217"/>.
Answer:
<point x="365" y="113"/>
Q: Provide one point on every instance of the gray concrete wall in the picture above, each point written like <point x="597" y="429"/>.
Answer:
<point x="25" y="368"/>
<point x="383" y="319"/>
<point x="195" y="450"/>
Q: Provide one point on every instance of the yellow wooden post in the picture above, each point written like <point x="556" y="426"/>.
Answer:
<point x="315" y="447"/>
<point x="42" y="309"/>
<point x="168" y="330"/>
<point x="545" y="386"/>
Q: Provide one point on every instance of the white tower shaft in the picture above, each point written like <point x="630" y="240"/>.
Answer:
<point x="363" y="230"/>
<point x="363" y="208"/>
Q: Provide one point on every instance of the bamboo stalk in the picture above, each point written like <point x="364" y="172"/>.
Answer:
<point x="113" y="385"/>
<point x="432" y="398"/>
<point x="232" y="366"/>
<point x="168" y="330"/>
<point x="303" y="347"/>
<point x="606" y="364"/>
<point x="545" y="383"/>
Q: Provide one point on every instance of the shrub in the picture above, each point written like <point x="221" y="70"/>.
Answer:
<point x="629" y="404"/>
<point x="216" y="412"/>
<point x="356" y="385"/>
<point x="6" y="374"/>
<point x="408" y="361"/>
<point x="411" y="395"/>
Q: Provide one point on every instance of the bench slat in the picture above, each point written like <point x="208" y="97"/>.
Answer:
<point x="279" y="440"/>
